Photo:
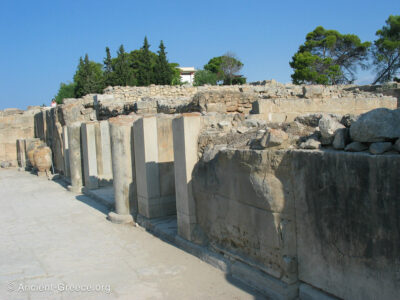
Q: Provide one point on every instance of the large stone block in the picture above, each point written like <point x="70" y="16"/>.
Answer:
<point x="154" y="163"/>
<point x="347" y="223"/>
<point x="186" y="129"/>
<point x="89" y="155"/>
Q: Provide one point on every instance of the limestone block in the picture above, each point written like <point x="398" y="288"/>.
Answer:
<point x="75" y="156"/>
<point x="89" y="155"/>
<point x="186" y="129"/>
<point x="103" y="151"/>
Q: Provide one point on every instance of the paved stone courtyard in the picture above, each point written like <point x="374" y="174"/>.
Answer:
<point x="58" y="245"/>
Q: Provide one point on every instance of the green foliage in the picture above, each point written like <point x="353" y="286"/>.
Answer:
<point x="329" y="57"/>
<point x="386" y="50"/>
<point x="163" y="73"/>
<point x="139" y="67"/>
<point x="108" y="69"/>
<point x="66" y="90"/>
<point x="145" y="69"/>
<point x="225" y="68"/>
<point x="124" y="75"/>
<point x="202" y="77"/>
<point x="176" y="74"/>
<point x="214" y="66"/>
<point x="311" y="68"/>
<point x="88" y="77"/>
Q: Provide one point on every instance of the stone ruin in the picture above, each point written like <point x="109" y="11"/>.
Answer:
<point x="293" y="190"/>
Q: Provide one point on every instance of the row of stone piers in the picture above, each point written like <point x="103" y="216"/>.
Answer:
<point x="148" y="159"/>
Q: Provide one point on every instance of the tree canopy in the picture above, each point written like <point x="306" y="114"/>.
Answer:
<point x="202" y="77"/>
<point x="386" y="50"/>
<point x="66" y="90"/>
<point x="163" y="73"/>
<point x="88" y="77"/>
<point x="329" y="57"/>
<point x="225" y="68"/>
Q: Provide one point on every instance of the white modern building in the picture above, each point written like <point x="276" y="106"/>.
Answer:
<point x="187" y="74"/>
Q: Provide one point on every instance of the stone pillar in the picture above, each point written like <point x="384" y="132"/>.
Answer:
<point x="154" y="162"/>
<point x="123" y="166"/>
<point x="21" y="153"/>
<point x="186" y="129"/>
<point x="89" y="155"/>
<point x="75" y="157"/>
<point x="66" y="152"/>
<point x="103" y="150"/>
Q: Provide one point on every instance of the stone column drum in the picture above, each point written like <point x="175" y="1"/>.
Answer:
<point x="123" y="166"/>
<point x="186" y="130"/>
<point x="75" y="157"/>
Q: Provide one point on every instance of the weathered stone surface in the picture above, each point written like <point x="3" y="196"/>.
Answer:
<point x="309" y="119"/>
<point x="313" y="91"/>
<point x="349" y="119"/>
<point x="378" y="125"/>
<point x="396" y="145"/>
<point x="328" y="127"/>
<point x="380" y="147"/>
<point x="341" y="138"/>
<point x="225" y="125"/>
<point x="239" y="192"/>
<point x="310" y="144"/>
<point x="273" y="137"/>
<point x="347" y="212"/>
<point x="5" y="164"/>
<point x="355" y="147"/>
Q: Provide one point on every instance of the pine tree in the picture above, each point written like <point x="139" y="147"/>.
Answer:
<point x="108" y="69"/>
<point x="145" y="74"/>
<point x="88" y="77"/>
<point x="123" y="72"/>
<point x="162" y="71"/>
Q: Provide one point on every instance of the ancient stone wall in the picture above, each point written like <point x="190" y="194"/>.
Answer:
<point x="15" y="124"/>
<point x="286" y="110"/>
<point x="327" y="219"/>
<point x="289" y="221"/>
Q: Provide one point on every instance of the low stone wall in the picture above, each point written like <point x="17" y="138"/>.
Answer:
<point x="135" y="93"/>
<point x="324" y="218"/>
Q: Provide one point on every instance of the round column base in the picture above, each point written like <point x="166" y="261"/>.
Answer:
<point x="120" y="219"/>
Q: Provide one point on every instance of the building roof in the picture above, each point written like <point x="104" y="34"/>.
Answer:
<point x="187" y="69"/>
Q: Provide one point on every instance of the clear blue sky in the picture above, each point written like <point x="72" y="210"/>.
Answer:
<point x="43" y="40"/>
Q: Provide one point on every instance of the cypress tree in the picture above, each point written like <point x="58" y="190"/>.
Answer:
<point x="145" y="74"/>
<point x="123" y="72"/>
<point x="162" y="71"/>
<point x="108" y="69"/>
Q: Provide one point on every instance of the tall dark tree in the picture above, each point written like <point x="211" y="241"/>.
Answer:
<point x="108" y="69"/>
<point x="386" y="50"/>
<point x="163" y="73"/>
<point x="329" y="57"/>
<point x="124" y="74"/>
<point x="88" y="77"/>
<point x="144" y="72"/>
